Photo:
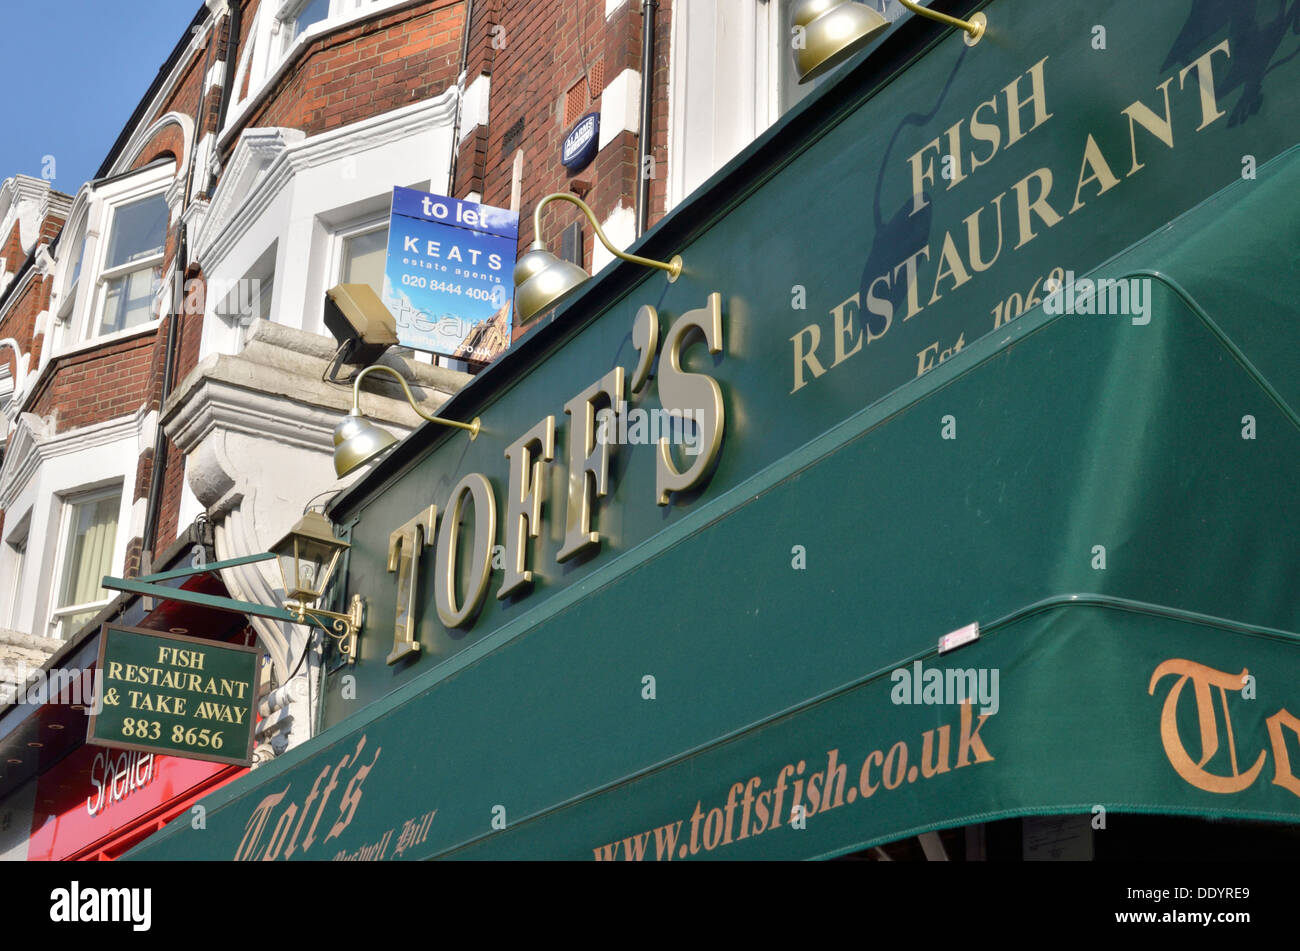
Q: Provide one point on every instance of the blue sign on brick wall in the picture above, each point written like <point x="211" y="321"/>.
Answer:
<point x="581" y="144"/>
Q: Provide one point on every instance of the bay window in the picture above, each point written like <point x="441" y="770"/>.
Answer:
<point x="110" y="257"/>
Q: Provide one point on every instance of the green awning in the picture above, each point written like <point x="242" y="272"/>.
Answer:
<point x="1115" y="510"/>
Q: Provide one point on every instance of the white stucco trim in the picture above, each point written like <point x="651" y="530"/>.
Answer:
<point x="620" y="228"/>
<point x="620" y="106"/>
<point x="474" y="105"/>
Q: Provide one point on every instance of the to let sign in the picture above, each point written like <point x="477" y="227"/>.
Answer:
<point x="166" y="693"/>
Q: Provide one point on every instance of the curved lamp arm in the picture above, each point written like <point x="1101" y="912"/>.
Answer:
<point x="473" y="427"/>
<point x="974" y="27"/>
<point x="673" y="267"/>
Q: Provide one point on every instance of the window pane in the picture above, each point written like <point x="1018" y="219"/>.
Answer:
<point x="129" y="300"/>
<point x="363" y="259"/>
<point x="92" y="529"/>
<point x="17" y="559"/>
<point x="76" y="263"/>
<point x="313" y="12"/>
<point x="139" y="231"/>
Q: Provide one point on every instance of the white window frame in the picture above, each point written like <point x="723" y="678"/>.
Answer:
<point x="15" y="562"/>
<point x="67" y="503"/>
<point x="228" y="300"/>
<point x="75" y="249"/>
<point x="109" y="274"/>
<point x="80" y="317"/>
<point x="723" y="96"/>
<point x="6" y="394"/>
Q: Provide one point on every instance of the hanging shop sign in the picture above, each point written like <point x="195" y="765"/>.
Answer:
<point x="169" y="693"/>
<point x="581" y="144"/>
<point x="447" y="279"/>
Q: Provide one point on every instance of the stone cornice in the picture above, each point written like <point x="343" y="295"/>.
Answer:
<point x="45" y="646"/>
<point x="273" y="389"/>
<point x="256" y="150"/>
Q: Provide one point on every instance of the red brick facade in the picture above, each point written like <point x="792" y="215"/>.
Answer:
<point x="395" y="58"/>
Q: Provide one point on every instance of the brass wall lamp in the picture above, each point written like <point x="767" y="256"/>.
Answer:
<point x="541" y="278"/>
<point x="307" y="556"/>
<point x="357" y="440"/>
<point x="835" y="30"/>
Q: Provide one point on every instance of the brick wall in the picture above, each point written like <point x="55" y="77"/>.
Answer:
<point x="12" y="250"/>
<point x="379" y="64"/>
<point x="94" y="386"/>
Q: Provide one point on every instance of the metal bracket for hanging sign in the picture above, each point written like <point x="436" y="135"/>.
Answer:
<point x="210" y="566"/>
<point x="215" y="602"/>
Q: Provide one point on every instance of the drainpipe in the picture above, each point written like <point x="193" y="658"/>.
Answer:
<point x="228" y="85"/>
<point x="648" y="8"/>
<point x="460" y="98"/>
<point x="153" y="512"/>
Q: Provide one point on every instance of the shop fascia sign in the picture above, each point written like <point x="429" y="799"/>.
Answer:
<point x="596" y="412"/>
<point x="1034" y="204"/>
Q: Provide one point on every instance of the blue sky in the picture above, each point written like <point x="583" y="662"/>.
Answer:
<point x="73" y="71"/>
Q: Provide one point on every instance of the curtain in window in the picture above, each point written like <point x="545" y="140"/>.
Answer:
<point x="91" y="533"/>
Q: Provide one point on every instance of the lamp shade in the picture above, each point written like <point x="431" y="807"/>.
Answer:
<point x="307" y="556"/>
<point x="357" y="441"/>
<point x="541" y="279"/>
<point x="833" y="31"/>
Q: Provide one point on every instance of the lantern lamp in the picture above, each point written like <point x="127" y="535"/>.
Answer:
<point x="308" y="555"/>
